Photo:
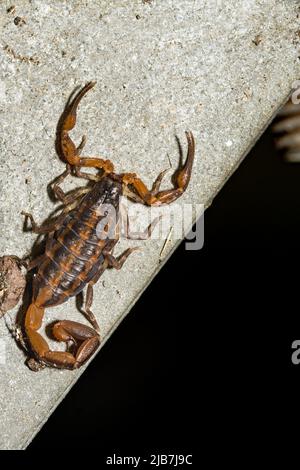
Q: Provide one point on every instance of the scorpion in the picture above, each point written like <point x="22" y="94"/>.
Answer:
<point x="76" y="254"/>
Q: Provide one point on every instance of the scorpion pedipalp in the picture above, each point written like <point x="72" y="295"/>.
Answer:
<point x="71" y="153"/>
<point x="181" y="179"/>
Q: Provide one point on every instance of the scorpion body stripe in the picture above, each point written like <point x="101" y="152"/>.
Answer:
<point x="80" y="230"/>
<point x="86" y="230"/>
<point x="61" y="248"/>
<point x="45" y="282"/>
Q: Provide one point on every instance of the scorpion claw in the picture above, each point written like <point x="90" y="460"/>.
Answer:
<point x="181" y="180"/>
<point x="71" y="153"/>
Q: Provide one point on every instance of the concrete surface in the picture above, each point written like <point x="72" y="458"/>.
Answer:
<point x="219" y="68"/>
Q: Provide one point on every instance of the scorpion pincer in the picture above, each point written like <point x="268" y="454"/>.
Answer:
<point x="76" y="254"/>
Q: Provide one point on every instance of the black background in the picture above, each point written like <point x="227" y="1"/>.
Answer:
<point x="208" y="346"/>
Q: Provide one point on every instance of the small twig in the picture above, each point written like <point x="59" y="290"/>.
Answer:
<point x="170" y="163"/>
<point x="165" y="245"/>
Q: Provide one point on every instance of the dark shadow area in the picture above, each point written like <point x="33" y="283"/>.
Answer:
<point x="207" y="349"/>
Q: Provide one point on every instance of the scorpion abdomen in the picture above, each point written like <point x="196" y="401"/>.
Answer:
<point x="74" y="254"/>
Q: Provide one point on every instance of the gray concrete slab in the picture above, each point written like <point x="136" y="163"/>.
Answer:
<point x="219" y="68"/>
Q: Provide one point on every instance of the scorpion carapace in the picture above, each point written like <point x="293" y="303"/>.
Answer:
<point x="77" y="250"/>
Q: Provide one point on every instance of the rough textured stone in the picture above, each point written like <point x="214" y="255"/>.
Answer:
<point x="219" y="68"/>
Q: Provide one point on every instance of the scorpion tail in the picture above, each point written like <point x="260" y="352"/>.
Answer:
<point x="63" y="331"/>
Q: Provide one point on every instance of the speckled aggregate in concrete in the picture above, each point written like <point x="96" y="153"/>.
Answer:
<point x="220" y="68"/>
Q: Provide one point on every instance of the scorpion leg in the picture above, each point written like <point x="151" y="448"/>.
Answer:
<point x="181" y="178"/>
<point x="68" y="199"/>
<point x="108" y="261"/>
<point x="61" y="195"/>
<point x="56" y="223"/>
<point x="145" y="235"/>
<point x="87" y="306"/>
<point x="65" y="331"/>
<point x="48" y="227"/>
<point x="70" y="152"/>
<point x="111" y="261"/>
<point x="90" y="293"/>
<point x="87" y="176"/>
<point x="118" y="262"/>
<point x="31" y="264"/>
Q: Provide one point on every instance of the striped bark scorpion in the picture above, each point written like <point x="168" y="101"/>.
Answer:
<point x="75" y="255"/>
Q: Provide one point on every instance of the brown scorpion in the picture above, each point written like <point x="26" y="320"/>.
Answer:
<point x="76" y="254"/>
